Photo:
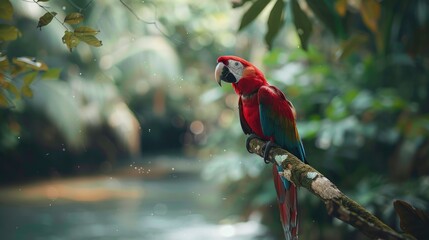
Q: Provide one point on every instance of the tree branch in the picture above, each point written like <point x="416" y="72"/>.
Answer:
<point x="337" y="204"/>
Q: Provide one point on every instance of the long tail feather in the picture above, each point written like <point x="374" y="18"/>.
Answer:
<point x="288" y="205"/>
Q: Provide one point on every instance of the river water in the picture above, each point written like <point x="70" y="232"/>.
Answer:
<point x="142" y="201"/>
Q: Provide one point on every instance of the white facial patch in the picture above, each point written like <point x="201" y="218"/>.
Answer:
<point x="236" y="68"/>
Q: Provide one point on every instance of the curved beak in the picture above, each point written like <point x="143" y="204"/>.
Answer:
<point x="218" y="72"/>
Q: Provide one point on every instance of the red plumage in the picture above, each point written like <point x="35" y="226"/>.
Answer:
<point x="265" y="111"/>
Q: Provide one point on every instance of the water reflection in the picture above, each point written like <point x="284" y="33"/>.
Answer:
<point x="166" y="204"/>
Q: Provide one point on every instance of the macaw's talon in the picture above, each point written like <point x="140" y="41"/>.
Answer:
<point x="250" y="138"/>
<point x="267" y="148"/>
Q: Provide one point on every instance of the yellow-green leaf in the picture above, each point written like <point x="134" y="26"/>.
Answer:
<point x="3" y="100"/>
<point x="8" y="32"/>
<point x="29" y="78"/>
<point x="370" y="11"/>
<point x="80" y="31"/>
<point x="70" y="40"/>
<point x="11" y="88"/>
<point x="28" y="63"/>
<point x="6" y="10"/>
<point x="91" y="40"/>
<point x="351" y="45"/>
<point x="26" y="91"/>
<point x="73" y="18"/>
<point x="53" y="73"/>
<point x="46" y="19"/>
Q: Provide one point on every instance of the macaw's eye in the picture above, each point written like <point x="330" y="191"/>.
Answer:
<point x="236" y="64"/>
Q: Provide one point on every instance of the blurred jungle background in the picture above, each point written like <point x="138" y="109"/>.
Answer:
<point x="130" y="138"/>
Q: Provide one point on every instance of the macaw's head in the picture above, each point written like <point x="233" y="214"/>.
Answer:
<point x="245" y="78"/>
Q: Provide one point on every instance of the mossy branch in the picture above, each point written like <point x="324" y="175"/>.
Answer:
<point x="337" y="204"/>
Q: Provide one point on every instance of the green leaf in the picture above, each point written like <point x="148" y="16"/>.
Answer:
<point x="70" y="40"/>
<point x="275" y="22"/>
<point x="252" y="13"/>
<point x="26" y="91"/>
<point x="6" y="10"/>
<point x="80" y="31"/>
<point x="73" y="18"/>
<point x="28" y="63"/>
<point x="46" y="19"/>
<point x="29" y="78"/>
<point x="8" y="32"/>
<point x="325" y="12"/>
<point x="90" y="40"/>
<point x="53" y="73"/>
<point x="42" y="0"/>
<point x="302" y="24"/>
<point x="4" y="64"/>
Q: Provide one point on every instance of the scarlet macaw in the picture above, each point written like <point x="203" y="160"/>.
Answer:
<point x="265" y="112"/>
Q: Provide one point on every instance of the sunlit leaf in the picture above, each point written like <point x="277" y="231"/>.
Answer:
<point x="80" y="31"/>
<point x="341" y="7"/>
<point x="239" y="3"/>
<point x="351" y="45"/>
<point x="6" y="10"/>
<point x="303" y="24"/>
<point x="413" y="221"/>
<point x="46" y="19"/>
<point x="275" y="22"/>
<point x="90" y="40"/>
<point x="53" y="73"/>
<point x="3" y="100"/>
<point x="73" y="18"/>
<point x="26" y="91"/>
<point x="29" y="78"/>
<point x="252" y="13"/>
<point x="70" y="40"/>
<point x="370" y="11"/>
<point x="8" y="32"/>
<point x="28" y="63"/>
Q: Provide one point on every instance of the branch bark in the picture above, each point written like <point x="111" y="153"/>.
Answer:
<point x="337" y="204"/>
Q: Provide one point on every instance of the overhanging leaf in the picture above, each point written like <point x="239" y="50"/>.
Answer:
<point x="28" y="63"/>
<point x="70" y="40"/>
<point x="8" y="32"/>
<point x="6" y="10"/>
<point x="90" y="40"/>
<point x="46" y="19"/>
<point x="73" y="18"/>
<point x="302" y="23"/>
<point x="370" y="11"/>
<point x="324" y="11"/>
<point x="275" y="22"/>
<point x="236" y="4"/>
<point x="252" y="13"/>
<point x="83" y="30"/>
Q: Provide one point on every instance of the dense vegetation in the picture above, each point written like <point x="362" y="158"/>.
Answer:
<point x="356" y="71"/>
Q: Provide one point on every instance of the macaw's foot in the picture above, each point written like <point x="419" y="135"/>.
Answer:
<point x="266" y="148"/>
<point x="250" y="138"/>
